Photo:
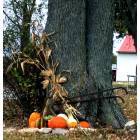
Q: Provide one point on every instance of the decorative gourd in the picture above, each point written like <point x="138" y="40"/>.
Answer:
<point x="47" y="117"/>
<point x="40" y="123"/>
<point x="71" y="122"/>
<point x="32" y="119"/>
<point x="32" y="124"/>
<point x="84" y="124"/>
<point x="63" y="116"/>
<point x="57" y="122"/>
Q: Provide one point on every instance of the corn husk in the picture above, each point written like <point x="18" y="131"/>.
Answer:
<point x="47" y="54"/>
<point x="62" y="79"/>
<point x="45" y="83"/>
<point x="46" y="72"/>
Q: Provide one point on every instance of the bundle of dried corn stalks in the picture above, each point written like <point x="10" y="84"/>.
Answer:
<point x="43" y="61"/>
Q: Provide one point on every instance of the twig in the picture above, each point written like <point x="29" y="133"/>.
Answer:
<point x="11" y="20"/>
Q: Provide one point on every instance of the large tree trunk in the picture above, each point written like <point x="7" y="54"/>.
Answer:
<point x="67" y="18"/>
<point x="84" y="38"/>
<point x="99" y="44"/>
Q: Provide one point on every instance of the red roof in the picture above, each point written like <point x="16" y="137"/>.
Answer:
<point x="127" y="45"/>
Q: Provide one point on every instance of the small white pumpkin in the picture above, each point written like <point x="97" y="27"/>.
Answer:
<point x="63" y="116"/>
<point x="71" y="122"/>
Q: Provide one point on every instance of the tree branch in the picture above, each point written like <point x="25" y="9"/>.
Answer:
<point x="32" y="8"/>
<point x="11" y="20"/>
<point x="15" y="11"/>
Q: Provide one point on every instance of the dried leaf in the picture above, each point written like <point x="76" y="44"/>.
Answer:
<point x="55" y="97"/>
<point x="45" y="83"/>
<point x="47" y="53"/>
<point x="55" y="88"/>
<point x="33" y="37"/>
<point x="9" y="67"/>
<point x="43" y="37"/>
<point x="55" y="66"/>
<point x="60" y="90"/>
<point x="46" y="72"/>
<point x="62" y="79"/>
<point x="26" y="62"/>
<point x="64" y="92"/>
<point x="57" y="78"/>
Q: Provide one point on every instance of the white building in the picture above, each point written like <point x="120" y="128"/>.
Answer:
<point x="117" y="41"/>
<point x="126" y="60"/>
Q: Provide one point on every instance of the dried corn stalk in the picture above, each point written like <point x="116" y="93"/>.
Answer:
<point x="47" y="67"/>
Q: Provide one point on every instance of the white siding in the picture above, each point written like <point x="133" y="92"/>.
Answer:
<point x="126" y="65"/>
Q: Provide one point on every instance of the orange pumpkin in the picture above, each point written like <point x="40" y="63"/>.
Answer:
<point x="32" y="124"/>
<point x="84" y="124"/>
<point x="32" y="119"/>
<point x="57" y="122"/>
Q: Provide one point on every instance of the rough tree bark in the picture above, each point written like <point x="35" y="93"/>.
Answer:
<point x="84" y="38"/>
<point x="99" y="43"/>
<point x="67" y="18"/>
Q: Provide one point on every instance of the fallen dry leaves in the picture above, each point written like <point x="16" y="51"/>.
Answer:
<point x="130" y="105"/>
<point x="130" y="110"/>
